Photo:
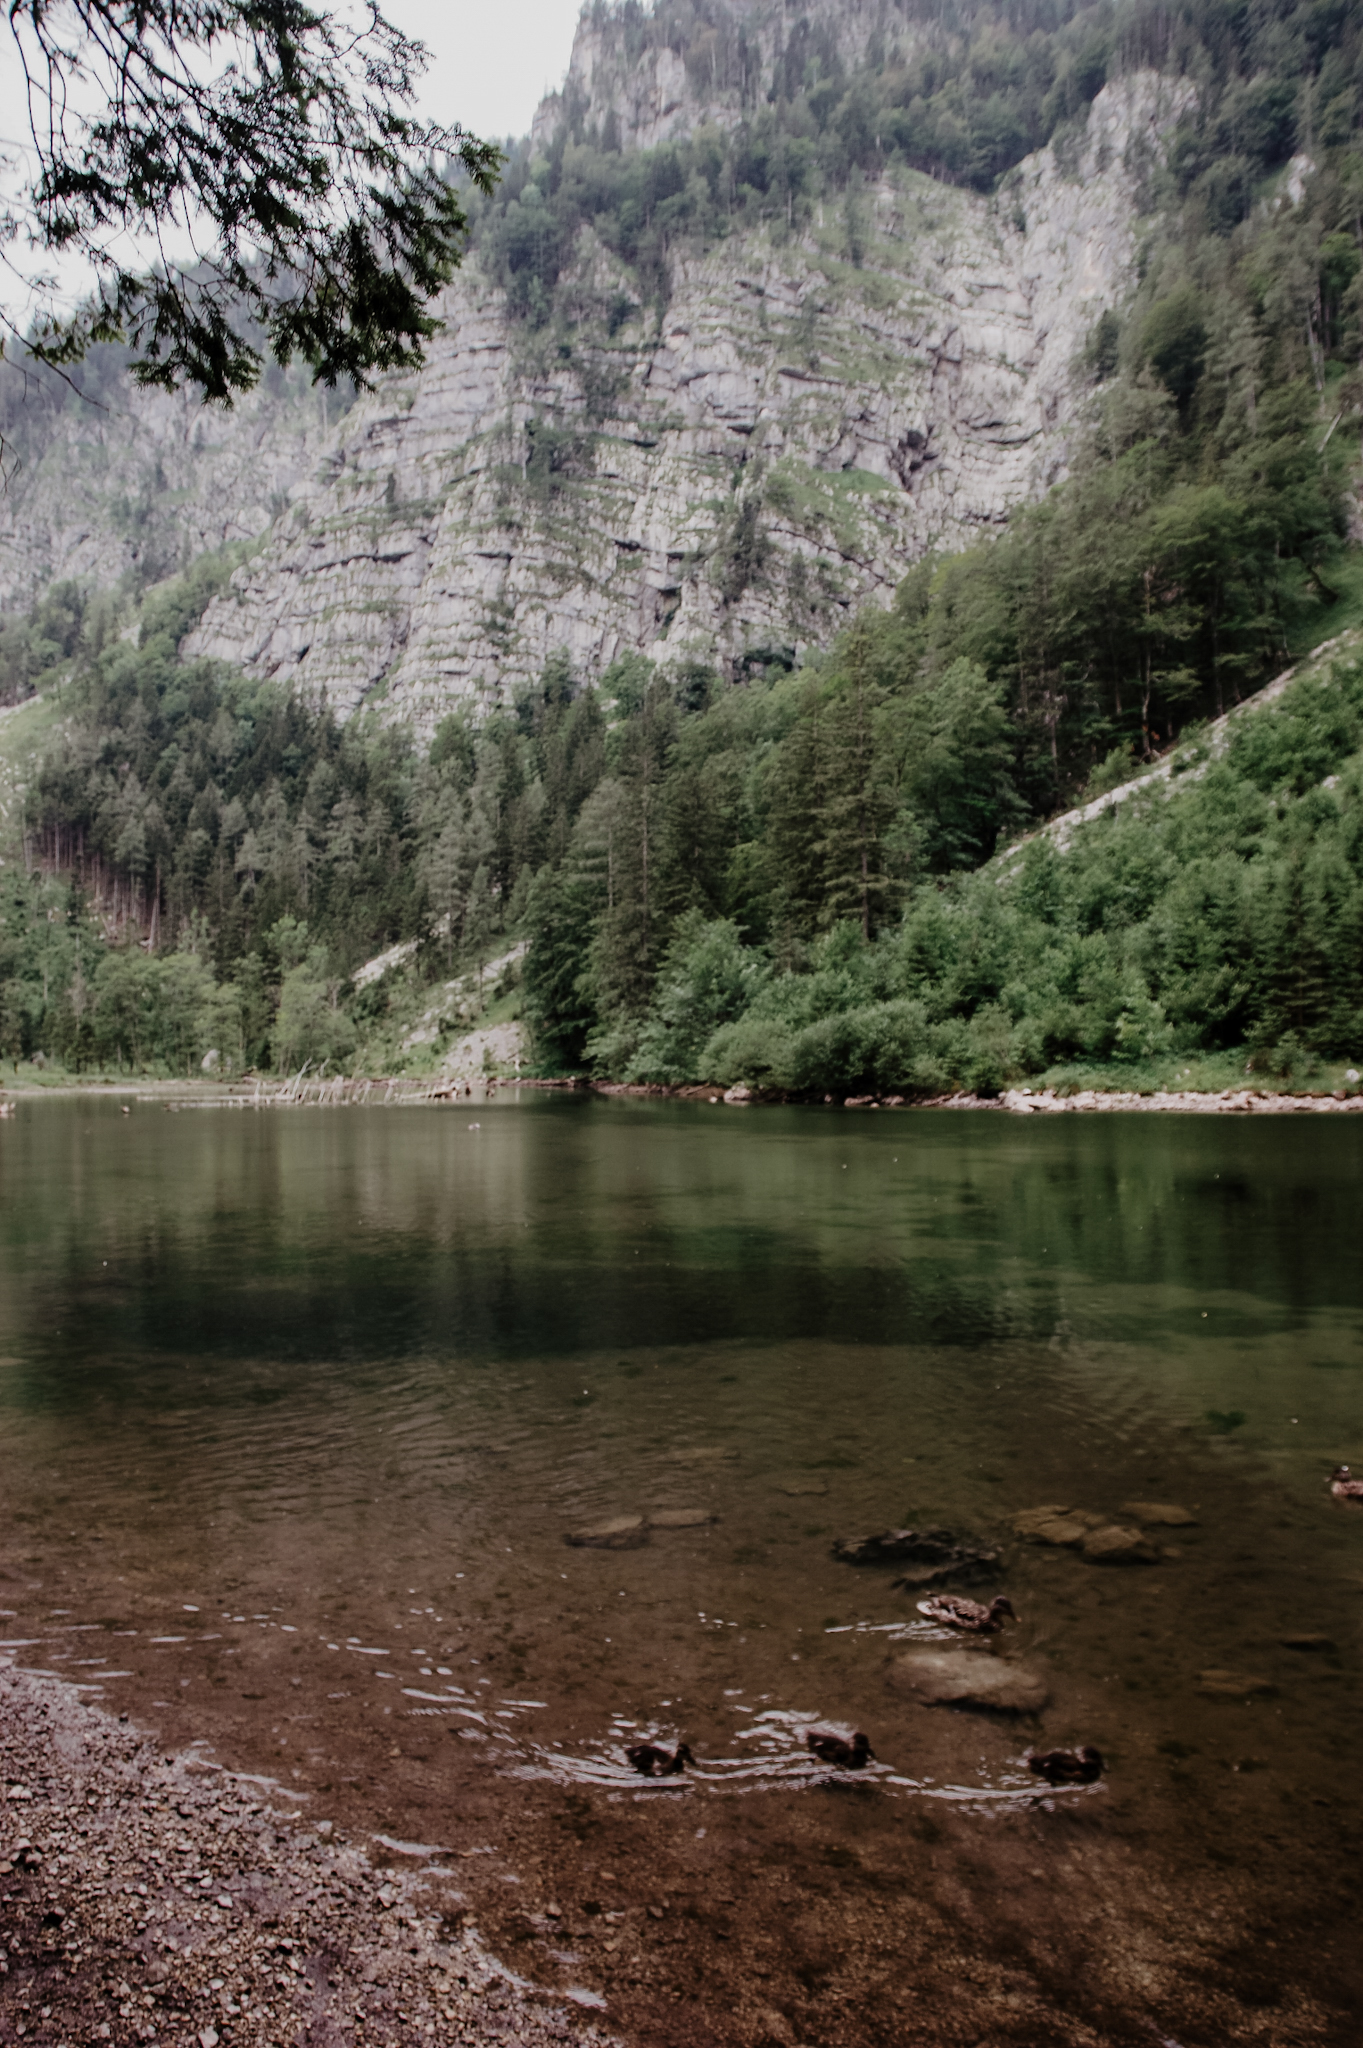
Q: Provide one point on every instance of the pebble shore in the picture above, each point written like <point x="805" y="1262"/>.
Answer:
<point x="162" y="1900"/>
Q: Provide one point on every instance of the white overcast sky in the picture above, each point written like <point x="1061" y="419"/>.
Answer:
<point x="492" y="64"/>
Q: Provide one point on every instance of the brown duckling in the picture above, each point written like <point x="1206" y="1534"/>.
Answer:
<point x="836" y="1749"/>
<point x="1068" y="1766"/>
<point x="1344" y="1486"/>
<point x="969" y="1615"/>
<point x="652" y="1762"/>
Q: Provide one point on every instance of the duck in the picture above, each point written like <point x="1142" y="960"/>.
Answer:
<point x="969" y="1615"/>
<point x="1068" y="1766"/>
<point x="1344" y="1486"/>
<point x="836" y="1749"/>
<point x="652" y="1762"/>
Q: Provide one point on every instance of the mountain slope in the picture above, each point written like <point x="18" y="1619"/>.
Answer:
<point x="777" y="445"/>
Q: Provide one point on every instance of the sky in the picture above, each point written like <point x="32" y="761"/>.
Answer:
<point x="489" y="71"/>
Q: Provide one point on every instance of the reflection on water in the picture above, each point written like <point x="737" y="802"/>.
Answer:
<point x="302" y="1407"/>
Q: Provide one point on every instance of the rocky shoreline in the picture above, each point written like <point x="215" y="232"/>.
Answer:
<point x="1017" y="1101"/>
<point x="147" y="1898"/>
<point x="1231" y="1101"/>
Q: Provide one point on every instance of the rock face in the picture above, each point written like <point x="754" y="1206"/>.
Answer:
<point x="733" y="473"/>
<point x="122" y="481"/>
<point x="629" y="81"/>
<point x="970" y="1678"/>
<point x="722" y="477"/>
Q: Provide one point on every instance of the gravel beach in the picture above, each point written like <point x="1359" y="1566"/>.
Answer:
<point x="160" y="1899"/>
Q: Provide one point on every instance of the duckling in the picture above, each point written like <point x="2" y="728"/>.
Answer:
<point x="836" y="1749"/>
<point x="1344" y="1486"/>
<point x="969" y="1615"/>
<point x="651" y="1762"/>
<point x="1068" y="1766"/>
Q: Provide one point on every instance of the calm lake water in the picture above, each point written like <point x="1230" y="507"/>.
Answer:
<point x="297" y="1408"/>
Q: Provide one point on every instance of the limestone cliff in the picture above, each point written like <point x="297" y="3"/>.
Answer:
<point x="805" y="418"/>
<point x="104" y="481"/>
<point x="715" y="473"/>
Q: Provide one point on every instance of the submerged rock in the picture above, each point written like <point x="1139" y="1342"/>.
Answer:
<point x="1062" y="1527"/>
<point x="1100" y="1541"/>
<point x="1159" y="1514"/>
<point x="622" y="1532"/>
<point x="930" y="1555"/>
<point x="970" y="1678"/>
<point x="1234" y="1685"/>
<point x="1114" y="1544"/>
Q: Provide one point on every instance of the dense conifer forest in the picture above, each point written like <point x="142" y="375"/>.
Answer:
<point x="779" y="875"/>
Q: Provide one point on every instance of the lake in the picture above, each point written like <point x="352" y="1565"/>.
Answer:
<point x="298" y="1409"/>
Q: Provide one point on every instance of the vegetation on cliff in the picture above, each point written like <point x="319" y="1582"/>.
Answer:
<point x="982" y="85"/>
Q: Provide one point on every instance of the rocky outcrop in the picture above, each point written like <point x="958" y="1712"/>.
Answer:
<point x="638" y="80"/>
<point x="739" y="472"/>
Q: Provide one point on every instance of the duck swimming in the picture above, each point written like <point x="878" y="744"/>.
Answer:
<point x="651" y="1762"/>
<point x="1068" y="1766"/>
<point x="1344" y="1486"/>
<point x="969" y="1615"/>
<point x="836" y="1749"/>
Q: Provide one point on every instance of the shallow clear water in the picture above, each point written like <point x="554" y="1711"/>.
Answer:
<point x="276" y="1382"/>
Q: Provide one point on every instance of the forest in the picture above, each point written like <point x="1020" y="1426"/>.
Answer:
<point x="782" y="876"/>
